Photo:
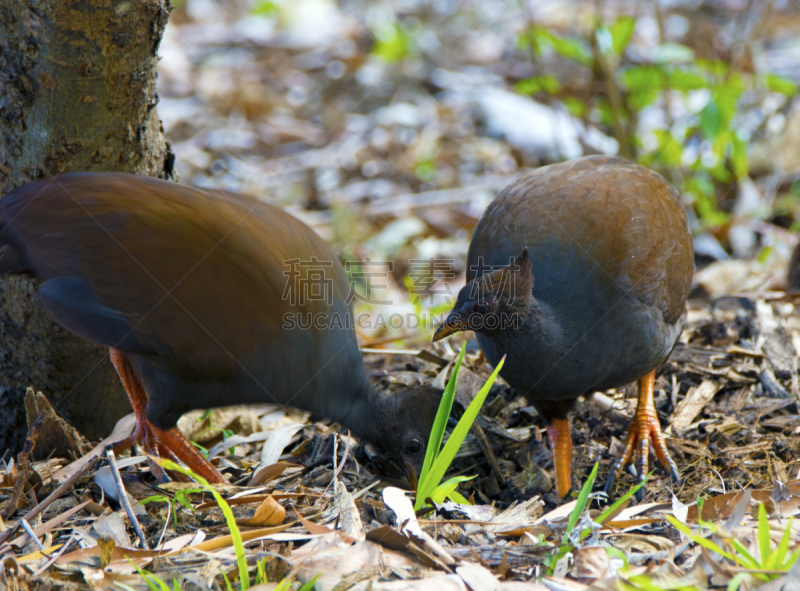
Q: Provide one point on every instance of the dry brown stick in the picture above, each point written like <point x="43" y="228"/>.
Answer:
<point x="24" y="466"/>
<point x="55" y="495"/>
<point x="487" y="451"/>
<point x="123" y="497"/>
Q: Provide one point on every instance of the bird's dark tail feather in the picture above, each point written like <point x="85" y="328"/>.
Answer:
<point x="11" y="259"/>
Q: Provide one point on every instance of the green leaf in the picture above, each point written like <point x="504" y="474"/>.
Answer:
<point x="447" y="489"/>
<point x="457" y="497"/>
<point x="310" y="585"/>
<point x="155" y="499"/>
<point x="182" y="497"/>
<point x="444" y="459"/>
<point x="779" y="556"/>
<point x="763" y="535"/>
<point x="644" y="78"/>
<point x="606" y="115"/>
<point x="705" y="542"/>
<point x="621" y="33"/>
<point x="710" y="120"/>
<point x="739" y="156"/>
<point x="617" y="553"/>
<point x="716" y="68"/>
<point x="424" y="171"/>
<point x="264" y="8"/>
<point x="670" y="151"/>
<point x="792" y="559"/>
<point x="236" y="536"/>
<point x="736" y="581"/>
<point x="392" y="43"/>
<point x="727" y="95"/>
<point x="439" y="424"/>
<point x="572" y="49"/>
<point x="764" y="254"/>
<point x="643" y="84"/>
<point x="744" y="555"/>
<point x="575" y="106"/>
<point x="682" y="79"/>
<point x="547" y="83"/>
<point x="631" y="491"/>
<point x="673" y="53"/>
<point x="583" y="498"/>
<point x="781" y="84"/>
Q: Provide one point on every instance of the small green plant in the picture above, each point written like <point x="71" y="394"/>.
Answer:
<point x="438" y="460"/>
<point x="717" y="132"/>
<point x="179" y="499"/>
<point x="777" y="560"/>
<point x="236" y="536"/>
<point x="569" y="541"/>
<point x="392" y="42"/>
<point x="226" y="433"/>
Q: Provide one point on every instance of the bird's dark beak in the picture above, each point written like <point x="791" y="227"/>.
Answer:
<point x="452" y="325"/>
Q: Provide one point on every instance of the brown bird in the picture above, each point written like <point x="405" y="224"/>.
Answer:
<point x="579" y="272"/>
<point x="206" y="299"/>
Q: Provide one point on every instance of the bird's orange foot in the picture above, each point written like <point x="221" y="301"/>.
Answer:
<point x="170" y="444"/>
<point x="643" y="429"/>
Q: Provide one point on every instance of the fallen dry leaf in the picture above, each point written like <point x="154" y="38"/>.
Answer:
<point x="269" y="512"/>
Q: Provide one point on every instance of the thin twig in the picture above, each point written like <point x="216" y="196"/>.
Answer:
<point x="166" y="525"/>
<point x="672" y="553"/>
<point x="123" y="497"/>
<point x="24" y="465"/>
<point x="27" y="527"/>
<point x="55" y="495"/>
<point x="483" y="441"/>
<point x="55" y="556"/>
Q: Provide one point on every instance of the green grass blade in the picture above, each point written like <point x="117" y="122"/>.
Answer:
<point x="236" y="536"/>
<point x="444" y="459"/>
<point x="155" y="583"/>
<point x="763" y="534"/>
<point x="310" y="585"/>
<point x="227" y="582"/>
<point x="705" y="542"/>
<point x="792" y="559"/>
<point x="155" y="499"/>
<point x="744" y="557"/>
<point x="580" y="506"/>
<point x="778" y="557"/>
<point x="736" y="581"/>
<point x="439" y="424"/>
<point x="457" y="497"/>
<point x="446" y="489"/>
<point x="631" y="491"/>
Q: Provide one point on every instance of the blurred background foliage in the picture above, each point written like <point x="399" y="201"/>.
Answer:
<point x="389" y="125"/>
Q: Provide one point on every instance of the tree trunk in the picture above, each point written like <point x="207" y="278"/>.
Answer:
<point x="77" y="93"/>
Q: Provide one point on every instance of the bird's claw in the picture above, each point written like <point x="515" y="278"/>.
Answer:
<point x="643" y="429"/>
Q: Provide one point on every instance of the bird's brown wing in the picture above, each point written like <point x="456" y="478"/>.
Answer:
<point x="610" y="211"/>
<point x="200" y="277"/>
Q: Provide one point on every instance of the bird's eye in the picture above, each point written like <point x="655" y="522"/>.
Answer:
<point x="413" y="447"/>
<point x="482" y="308"/>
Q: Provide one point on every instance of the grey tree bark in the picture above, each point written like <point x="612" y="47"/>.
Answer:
<point x="77" y="93"/>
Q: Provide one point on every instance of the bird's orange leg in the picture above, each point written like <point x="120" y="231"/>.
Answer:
<point x="643" y="428"/>
<point x="560" y="438"/>
<point x="153" y="438"/>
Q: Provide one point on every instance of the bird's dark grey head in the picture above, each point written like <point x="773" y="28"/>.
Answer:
<point x="492" y="302"/>
<point x="401" y="427"/>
